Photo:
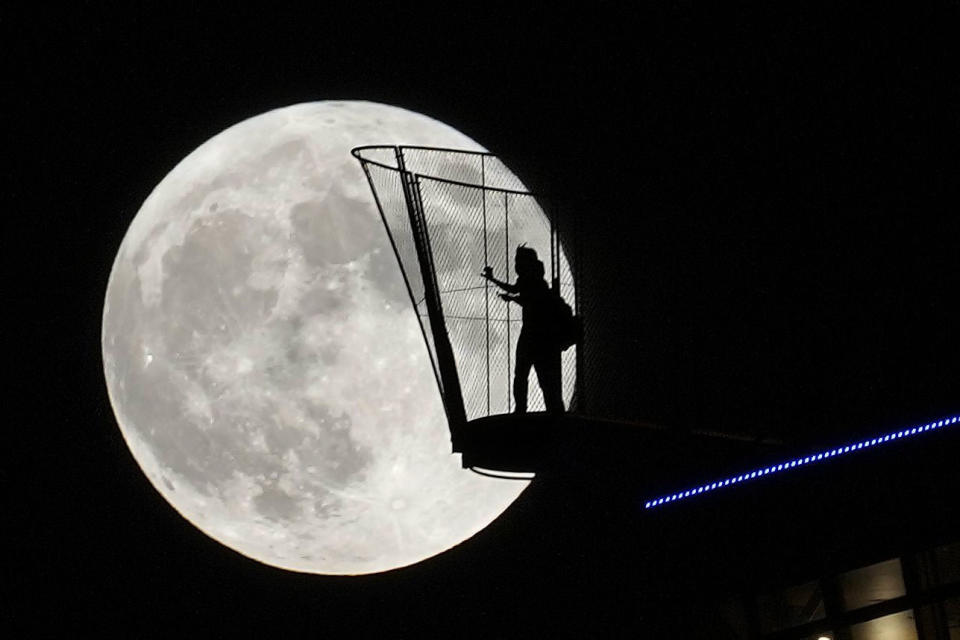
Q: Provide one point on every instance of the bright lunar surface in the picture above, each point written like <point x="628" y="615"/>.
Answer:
<point x="264" y="361"/>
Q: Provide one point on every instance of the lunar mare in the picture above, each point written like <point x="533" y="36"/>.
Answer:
<point x="263" y="360"/>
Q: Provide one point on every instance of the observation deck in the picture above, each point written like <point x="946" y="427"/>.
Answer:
<point x="449" y="213"/>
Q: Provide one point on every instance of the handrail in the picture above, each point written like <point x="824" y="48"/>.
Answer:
<point x="355" y="152"/>
<point x="423" y="148"/>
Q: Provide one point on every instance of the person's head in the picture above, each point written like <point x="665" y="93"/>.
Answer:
<point x="526" y="262"/>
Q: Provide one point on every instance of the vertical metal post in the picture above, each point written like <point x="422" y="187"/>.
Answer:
<point x="486" y="262"/>
<point x="506" y="248"/>
<point x="554" y="215"/>
<point x="554" y="253"/>
<point x="557" y="236"/>
<point x="580" y="386"/>
<point x="452" y="394"/>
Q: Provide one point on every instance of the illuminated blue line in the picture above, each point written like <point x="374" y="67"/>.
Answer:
<point x="798" y="462"/>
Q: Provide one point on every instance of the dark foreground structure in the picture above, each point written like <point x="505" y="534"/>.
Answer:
<point x="731" y="536"/>
<point x="734" y="538"/>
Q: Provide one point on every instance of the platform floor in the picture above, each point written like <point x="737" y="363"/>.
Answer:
<point x="572" y="443"/>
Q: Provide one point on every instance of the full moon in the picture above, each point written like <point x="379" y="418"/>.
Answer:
<point x="263" y="359"/>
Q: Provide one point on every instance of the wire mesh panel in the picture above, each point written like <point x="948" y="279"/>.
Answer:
<point x="393" y="208"/>
<point x="467" y="167"/>
<point x="474" y="212"/>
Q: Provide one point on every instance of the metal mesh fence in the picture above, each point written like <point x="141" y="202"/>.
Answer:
<point x="475" y="213"/>
<point x="392" y="204"/>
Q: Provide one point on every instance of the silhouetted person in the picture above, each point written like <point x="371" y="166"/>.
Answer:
<point x="537" y="346"/>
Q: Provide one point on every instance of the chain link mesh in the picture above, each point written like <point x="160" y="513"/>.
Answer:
<point x="393" y="209"/>
<point x="476" y="213"/>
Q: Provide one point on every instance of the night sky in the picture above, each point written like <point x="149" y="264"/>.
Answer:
<point x="768" y="197"/>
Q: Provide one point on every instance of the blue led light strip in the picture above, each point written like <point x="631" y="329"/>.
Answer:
<point x="799" y="462"/>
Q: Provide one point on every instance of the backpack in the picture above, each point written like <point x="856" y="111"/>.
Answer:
<point x="569" y="328"/>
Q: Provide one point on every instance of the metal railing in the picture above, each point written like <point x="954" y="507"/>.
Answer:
<point x="449" y="213"/>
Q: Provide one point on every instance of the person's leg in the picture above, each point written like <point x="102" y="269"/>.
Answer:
<point x="549" y="375"/>
<point x="521" y="374"/>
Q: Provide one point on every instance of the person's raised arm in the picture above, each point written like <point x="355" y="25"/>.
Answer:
<point x="487" y="274"/>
